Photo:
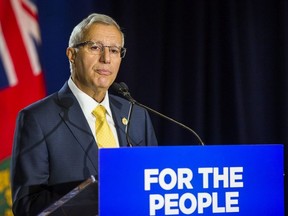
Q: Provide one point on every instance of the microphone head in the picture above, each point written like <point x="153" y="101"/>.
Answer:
<point x="122" y="89"/>
<point x="116" y="87"/>
<point x="124" y="86"/>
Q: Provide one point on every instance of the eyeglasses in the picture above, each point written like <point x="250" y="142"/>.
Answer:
<point x="96" y="48"/>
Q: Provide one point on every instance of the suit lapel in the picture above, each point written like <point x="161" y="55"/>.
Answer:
<point x="119" y="111"/>
<point x="75" y="120"/>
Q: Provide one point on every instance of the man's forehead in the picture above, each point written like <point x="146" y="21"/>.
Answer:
<point x="103" y="32"/>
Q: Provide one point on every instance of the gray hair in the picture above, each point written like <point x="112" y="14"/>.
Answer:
<point x="79" y="30"/>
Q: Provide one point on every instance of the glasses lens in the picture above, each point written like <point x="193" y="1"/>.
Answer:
<point x="97" y="49"/>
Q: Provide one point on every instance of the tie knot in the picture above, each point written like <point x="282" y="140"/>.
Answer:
<point x="99" y="112"/>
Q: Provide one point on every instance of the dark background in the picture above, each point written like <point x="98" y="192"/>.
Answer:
<point x="218" y="66"/>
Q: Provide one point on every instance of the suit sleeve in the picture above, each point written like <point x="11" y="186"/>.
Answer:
<point x="150" y="133"/>
<point x="29" y="166"/>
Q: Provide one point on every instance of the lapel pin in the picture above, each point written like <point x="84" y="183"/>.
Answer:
<point x="124" y="121"/>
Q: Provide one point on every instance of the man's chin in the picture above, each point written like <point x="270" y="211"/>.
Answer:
<point x="104" y="83"/>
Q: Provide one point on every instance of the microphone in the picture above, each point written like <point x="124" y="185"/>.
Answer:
<point x="123" y="90"/>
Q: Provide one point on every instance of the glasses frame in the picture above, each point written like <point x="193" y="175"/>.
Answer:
<point x="84" y="43"/>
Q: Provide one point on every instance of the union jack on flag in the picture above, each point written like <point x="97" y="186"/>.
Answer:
<point x="21" y="77"/>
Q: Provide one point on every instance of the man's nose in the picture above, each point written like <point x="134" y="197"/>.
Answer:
<point x="105" y="55"/>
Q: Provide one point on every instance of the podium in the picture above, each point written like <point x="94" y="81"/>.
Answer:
<point x="185" y="180"/>
<point x="192" y="180"/>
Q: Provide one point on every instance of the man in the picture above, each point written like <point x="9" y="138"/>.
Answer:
<point x="55" y="144"/>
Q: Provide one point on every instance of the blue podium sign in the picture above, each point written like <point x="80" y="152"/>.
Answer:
<point x="194" y="180"/>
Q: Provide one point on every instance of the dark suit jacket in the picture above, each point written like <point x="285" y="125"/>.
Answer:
<point x="54" y="149"/>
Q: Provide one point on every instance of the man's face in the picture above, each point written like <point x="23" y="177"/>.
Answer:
<point x="92" y="73"/>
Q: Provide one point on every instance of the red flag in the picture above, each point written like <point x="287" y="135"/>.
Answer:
<point x="21" y="77"/>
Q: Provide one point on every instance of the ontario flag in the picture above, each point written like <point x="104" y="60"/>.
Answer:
<point x="21" y="78"/>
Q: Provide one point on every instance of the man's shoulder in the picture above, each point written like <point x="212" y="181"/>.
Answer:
<point x="42" y="103"/>
<point x="56" y="99"/>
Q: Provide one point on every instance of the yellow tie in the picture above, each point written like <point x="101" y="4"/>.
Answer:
<point x="104" y="135"/>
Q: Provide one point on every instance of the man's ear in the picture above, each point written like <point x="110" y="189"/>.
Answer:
<point x="70" y="52"/>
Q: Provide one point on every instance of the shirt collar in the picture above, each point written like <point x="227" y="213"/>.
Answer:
<point x="86" y="102"/>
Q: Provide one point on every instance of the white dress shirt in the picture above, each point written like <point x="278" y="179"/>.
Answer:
<point x="88" y="104"/>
